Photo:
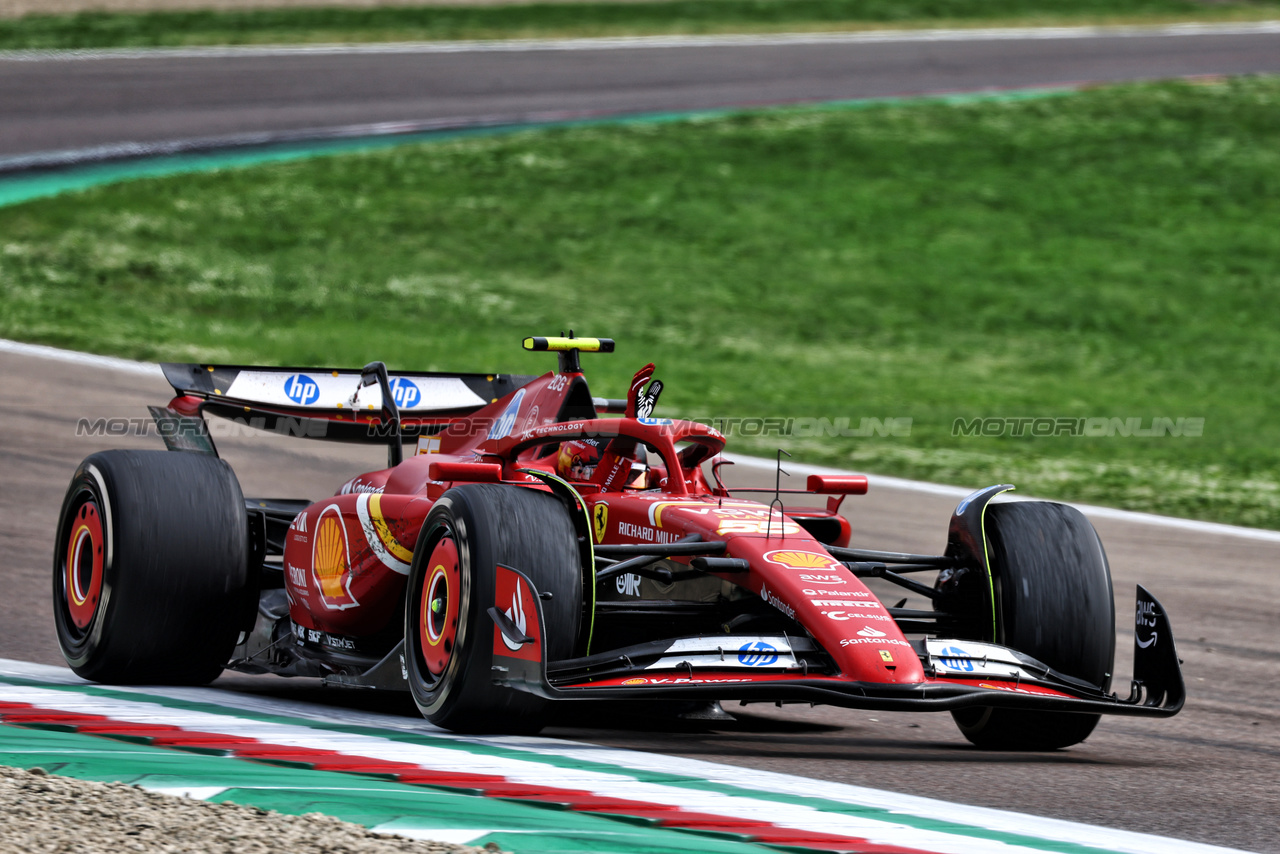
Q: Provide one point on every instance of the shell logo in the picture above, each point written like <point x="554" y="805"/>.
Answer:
<point x="802" y="560"/>
<point x="634" y="681"/>
<point x="331" y="560"/>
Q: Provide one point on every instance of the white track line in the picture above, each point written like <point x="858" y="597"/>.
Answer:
<point x="40" y="351"/>
<point x="652" y="42"/>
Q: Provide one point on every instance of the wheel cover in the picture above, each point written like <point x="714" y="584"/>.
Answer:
<point x="82" y="572"/>
<point x="438" y="610"/>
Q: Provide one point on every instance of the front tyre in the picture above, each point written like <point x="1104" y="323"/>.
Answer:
<point x="150" y="568"/>
<point x="448" y="632"/>
<point x="1054" y="602"/>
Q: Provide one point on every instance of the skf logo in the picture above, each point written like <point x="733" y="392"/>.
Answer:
<point x="801" y="560"/>
<point x="600" y="520"/>
<point x="331" y="561"/>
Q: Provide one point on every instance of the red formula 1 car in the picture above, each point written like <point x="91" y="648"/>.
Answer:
<point x="533" y="552"/>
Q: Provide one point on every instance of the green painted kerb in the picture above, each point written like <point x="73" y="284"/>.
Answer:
<point x="24" y="188"/>
<point x="388" y="807"/>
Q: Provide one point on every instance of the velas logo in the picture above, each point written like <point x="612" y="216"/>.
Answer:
<point x="405" y="393"/>
<point x="301" y="389"/>
<point x="801" y="560"/>
<point x="507" y="420"/>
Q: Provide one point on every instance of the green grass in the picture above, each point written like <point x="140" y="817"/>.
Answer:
<point x="1112" y="253"/>
<point x="584" y="19"/>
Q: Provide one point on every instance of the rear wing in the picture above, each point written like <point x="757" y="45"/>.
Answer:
<point x="328" y="403"/>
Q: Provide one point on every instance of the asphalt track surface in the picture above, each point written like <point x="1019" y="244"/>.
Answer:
<point x="68" y="103"/>
<point x="1211" y="774"/>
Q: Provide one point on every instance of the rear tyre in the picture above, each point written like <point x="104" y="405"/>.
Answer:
<point x="150" y="568"/>
<point x="1054" y="602"/>
<point x="448" y="632"/>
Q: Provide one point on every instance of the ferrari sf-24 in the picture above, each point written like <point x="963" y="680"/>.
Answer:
<point x="542" y="545"/>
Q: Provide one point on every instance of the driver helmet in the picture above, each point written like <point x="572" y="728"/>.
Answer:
<point x="578" y="460"/>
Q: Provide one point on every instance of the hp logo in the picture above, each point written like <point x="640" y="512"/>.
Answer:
<point x="507" y="420"/>
<point x="405" y="393"/>
<point x="302" y="390"/>
<point x="964" y="663"/>
<point x="758" y="654"/>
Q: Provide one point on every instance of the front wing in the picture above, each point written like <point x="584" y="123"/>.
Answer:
<point x="960" y="674"/>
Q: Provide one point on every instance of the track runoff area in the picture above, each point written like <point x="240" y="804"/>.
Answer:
<point x="401" y="775"/>
<point x="396" y="775"/>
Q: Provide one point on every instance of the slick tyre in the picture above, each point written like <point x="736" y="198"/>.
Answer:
<point x="448" y="631"/>
<point x="1054" y="602"/>
<point x="150" y="568"/>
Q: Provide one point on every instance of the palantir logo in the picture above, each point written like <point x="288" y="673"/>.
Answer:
<point x="405" y="393"/>
<point x="757" y="654"/>
<point x="302" y="390"/>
